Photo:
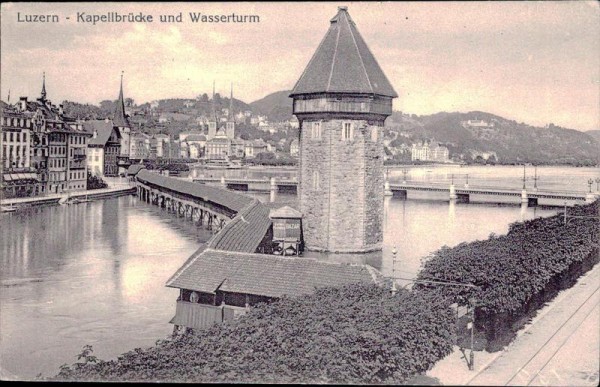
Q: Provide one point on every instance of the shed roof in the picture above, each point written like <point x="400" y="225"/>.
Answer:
<point x="265" y="275"/>
<point x="343" y="63"/>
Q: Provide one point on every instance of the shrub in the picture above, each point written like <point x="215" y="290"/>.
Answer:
<point x="517" y="272"/>
<point x="353" y="334"/>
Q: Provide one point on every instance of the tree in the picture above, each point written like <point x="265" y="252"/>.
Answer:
<point x="203" y="98"/>
<point x="107" y="106"/>
<point x="95" y="182"/>
<point x="263" y="156"/>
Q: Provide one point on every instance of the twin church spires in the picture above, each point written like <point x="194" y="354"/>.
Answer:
<point x="229" y="129"/>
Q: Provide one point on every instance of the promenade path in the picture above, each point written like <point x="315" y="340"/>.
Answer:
<point x="560" y="347"/>
<point x="115" y="186"/>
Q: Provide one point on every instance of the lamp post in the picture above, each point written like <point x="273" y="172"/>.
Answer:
<point x="394" y="252"/>
<point x="452" y="179"/>
<point x="597" y="184"/>
<point x="524" y="178"/>
<point x="471" y="354"/>
<point x="590" y="182"/>
<point x="404" y="172"/>
<point x="467" y="183"/>
<point x="535" y="178"/>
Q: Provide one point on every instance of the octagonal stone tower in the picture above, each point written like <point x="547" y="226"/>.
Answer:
<point x="342" y="100"/>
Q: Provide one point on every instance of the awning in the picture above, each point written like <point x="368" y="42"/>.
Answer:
<point x="14" y="177"/>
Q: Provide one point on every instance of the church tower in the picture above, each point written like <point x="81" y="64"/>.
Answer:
<point x="43" y="93"/>
<point x="121" y="122"/>
<point x="230" y="126"/>
<point x="341" y="101"/>
<point x="212" y="122"/>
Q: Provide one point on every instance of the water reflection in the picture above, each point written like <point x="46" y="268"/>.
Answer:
<point x="90" y="273"/>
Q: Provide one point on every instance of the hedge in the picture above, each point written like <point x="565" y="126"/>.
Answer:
<point x="516" y="273"/>
<point x="353" y="334"/>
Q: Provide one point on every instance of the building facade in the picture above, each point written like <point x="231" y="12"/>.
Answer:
<point x="341" y="101"/>
<point x="77" y="158"/>
<point x="40" y="148"/>
<point x="104" y="147"/>
<point x="429" y="151"/>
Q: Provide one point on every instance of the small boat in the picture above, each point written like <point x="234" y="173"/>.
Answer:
<point x="80" y="200"/>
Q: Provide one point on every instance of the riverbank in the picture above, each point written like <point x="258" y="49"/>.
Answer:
<point x="55" y="199"/>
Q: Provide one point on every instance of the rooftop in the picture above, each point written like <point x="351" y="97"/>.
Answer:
<point x="244" y="232"/>
<point x="343" y="63"/>
<point x="103" y="129"/>
<point x="264" y="275"/>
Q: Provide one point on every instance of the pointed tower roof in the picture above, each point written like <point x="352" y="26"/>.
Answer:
<point x="343" y="63"/>
<point x="43" y="93"/>
<point x="230" y="113"/>
<point x="214" y="109"/>
<point x="120" y="118"/>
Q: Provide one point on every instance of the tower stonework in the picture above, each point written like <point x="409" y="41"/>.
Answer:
<point x="342" y="100"/>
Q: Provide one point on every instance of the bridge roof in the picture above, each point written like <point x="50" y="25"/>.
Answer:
<point x="265" y="275"/>
<point x="232" y="200"/>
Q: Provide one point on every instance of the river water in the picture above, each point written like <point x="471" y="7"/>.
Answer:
<point x="94" y="273"/>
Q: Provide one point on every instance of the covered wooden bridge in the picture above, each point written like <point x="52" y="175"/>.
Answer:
<point x="206" y="205"/>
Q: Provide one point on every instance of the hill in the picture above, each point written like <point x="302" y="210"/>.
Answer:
<point x="277" y="106"/>
<point x="475" y="132"/>
<point x="595" y="134"/>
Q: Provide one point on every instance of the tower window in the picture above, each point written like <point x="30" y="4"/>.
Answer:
<point x="316" y="130"/>
<point x="315" y="180"/>
<point x="347" y="131"/>
<point x="374" y="133"/>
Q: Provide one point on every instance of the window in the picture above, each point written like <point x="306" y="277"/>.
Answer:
<point x="315" y="180"/>
<point x="316" y="129"/>
<point x="374" y="133"/>
<point x="347" y="131"/>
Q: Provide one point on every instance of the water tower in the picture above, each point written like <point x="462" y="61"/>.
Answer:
<point x="341" y="101"/>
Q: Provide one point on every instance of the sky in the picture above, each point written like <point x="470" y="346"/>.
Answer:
<point x="534" y="62"/>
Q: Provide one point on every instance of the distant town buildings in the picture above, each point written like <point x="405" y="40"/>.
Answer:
<point x="477" y="124"/>
<point x="430" y="151"/>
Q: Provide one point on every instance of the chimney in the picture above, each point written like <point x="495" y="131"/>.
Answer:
<point x="23" y="103"/>
<point x="60" y="109"/>
<point x="95" y="133"/>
